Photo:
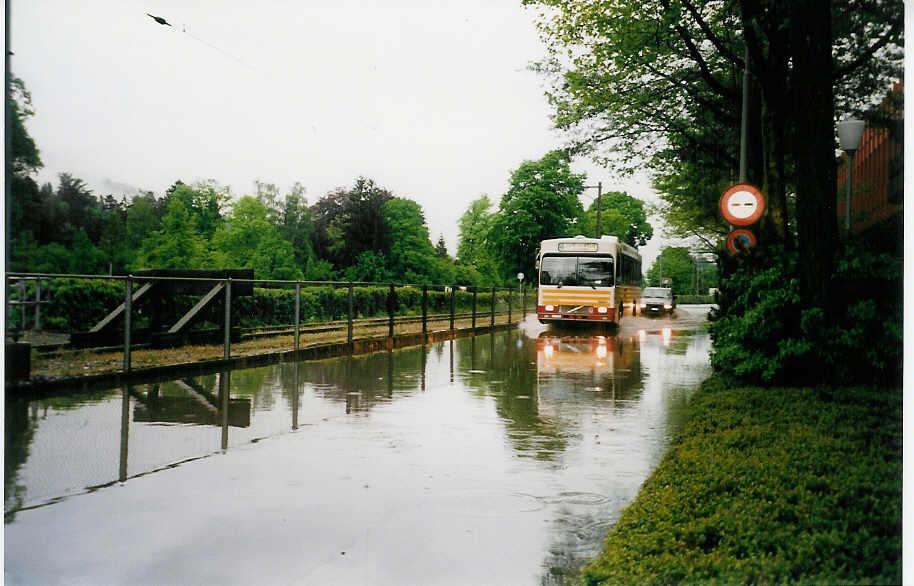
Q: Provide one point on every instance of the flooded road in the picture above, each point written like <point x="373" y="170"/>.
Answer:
<point x="496" y="459"/>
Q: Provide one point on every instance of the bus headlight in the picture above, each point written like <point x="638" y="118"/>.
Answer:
<point x="549" y="308"/>
<point x="643" y="305"/>
<point x="667" y="306"/>
<point x="601" y="310"/>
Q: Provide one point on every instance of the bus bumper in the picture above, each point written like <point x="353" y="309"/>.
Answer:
<point x="593" y="316"/>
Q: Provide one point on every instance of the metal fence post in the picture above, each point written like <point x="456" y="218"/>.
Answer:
<point x="128" y="310"/>
<point x="523" y="301"/>
<point x="22" y="325"/>
<point x="349" y="318"/>
<point x="453" y="293"/>
<point x="297" y="315"/>
<point x="492" y="314"/>
<point x="474" y="309"/>
<point x="510" y="297"/>
<point x="424" y="311"/>
<point x="38" y="303"/>
<point x="228" y="319"/>
<point x="390" y="312"/>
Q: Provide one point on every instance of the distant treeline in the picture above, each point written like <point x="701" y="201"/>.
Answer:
<point x="361" y="233"/>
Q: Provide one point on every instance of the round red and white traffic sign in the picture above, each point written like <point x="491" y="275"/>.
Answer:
<point x="742" y="204"/>
<point x="740" y="240"/>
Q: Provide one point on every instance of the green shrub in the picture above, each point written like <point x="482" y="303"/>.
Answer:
<point x="767" y="334"/>
<point x="78" y="304"/>
<point x="779" y="485"/>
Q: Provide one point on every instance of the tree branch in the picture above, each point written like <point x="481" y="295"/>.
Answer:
<point x="715" y="40"/>
<point x="696" y="56"/>
<point x="865" y="56"/>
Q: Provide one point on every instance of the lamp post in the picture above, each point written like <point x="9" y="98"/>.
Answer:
<point x="850" y="133"/>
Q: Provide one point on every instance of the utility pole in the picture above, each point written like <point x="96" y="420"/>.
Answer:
<point x="660" y="282"/>
<point x="599" y="187"/>
<point x="599" y="206"/>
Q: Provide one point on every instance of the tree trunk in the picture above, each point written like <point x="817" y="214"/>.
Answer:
<point x="813" y="146"/>
<point x="774" y="185"/>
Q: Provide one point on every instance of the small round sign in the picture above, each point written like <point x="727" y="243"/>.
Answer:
<point x="520" y="276"/>
<point x="742" y="204"/>
<point x="739" y="240"/>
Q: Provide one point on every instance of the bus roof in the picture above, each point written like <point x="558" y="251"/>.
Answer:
<point x="581" y="243"/>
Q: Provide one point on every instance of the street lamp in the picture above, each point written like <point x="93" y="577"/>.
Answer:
<point x="850" y="133"/>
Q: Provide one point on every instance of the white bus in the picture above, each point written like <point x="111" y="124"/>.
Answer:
<point x="587" y="279"/>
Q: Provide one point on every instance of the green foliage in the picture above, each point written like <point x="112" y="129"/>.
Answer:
<point x="249" y="240"/>
<point x="658" y="86"/>
<point x="78" y="304"/>
<point x="412" y="258"/>
<point x="694" y="299"/>
<point x="204" y="201"/>
<point x="178" y="244"/>
<point x="768" y="334"/>
<point x="476" y="262"/>
<point x="621" y="215"/>
<point x="324" y="303"/>
<point x="542" y="202"/>
<point x="758" y="340"/>
<point x="350" y="222"/>
<point x="24" y="157"/>
<point x="677" y="264"/>
<point x="784" y="485"/>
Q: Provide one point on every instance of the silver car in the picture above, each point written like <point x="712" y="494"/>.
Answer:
<point x="657" y="300"/>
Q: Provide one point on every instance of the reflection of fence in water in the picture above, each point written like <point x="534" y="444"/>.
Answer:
<point x="193" y="404"/>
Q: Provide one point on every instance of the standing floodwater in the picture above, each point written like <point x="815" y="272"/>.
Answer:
<point x="496" y="459"/>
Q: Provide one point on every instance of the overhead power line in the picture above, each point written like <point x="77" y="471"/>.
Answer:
<point x="225" y="53"/>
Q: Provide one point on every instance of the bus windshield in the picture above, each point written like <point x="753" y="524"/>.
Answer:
<point x="577" y="270"/>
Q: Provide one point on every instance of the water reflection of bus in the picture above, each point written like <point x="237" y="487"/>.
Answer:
<point x="569" y="364"/>
<point x="587" y="279"/>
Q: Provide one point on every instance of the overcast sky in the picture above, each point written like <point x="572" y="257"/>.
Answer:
<point x="431" y="99"/>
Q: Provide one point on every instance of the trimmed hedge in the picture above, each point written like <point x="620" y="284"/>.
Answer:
<point x="78" y="304"/>
<point x="782" y="485"/>
<point x="694" y="299"/>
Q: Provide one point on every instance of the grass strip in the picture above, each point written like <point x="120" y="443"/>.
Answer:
<point x="773" y="485"/>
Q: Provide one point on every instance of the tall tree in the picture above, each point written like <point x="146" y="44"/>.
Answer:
<point x="441" y="247"/>
<point x="295" y="224"/>
<point x="23" y="203"/>
<point x="660" y="84"/>
<point x="677" y="264"/>
<point x="80" y="203"/>
<point x="621" y="215"/>
<point x="205" y="200"/>
<point x="349" y="222"/>
<point x="248" y="240"/>
<point x="541" y="202"/>
<point x="475" y="254"/>
<point x="177" y="244"/>
<point x="412" y="258"/>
